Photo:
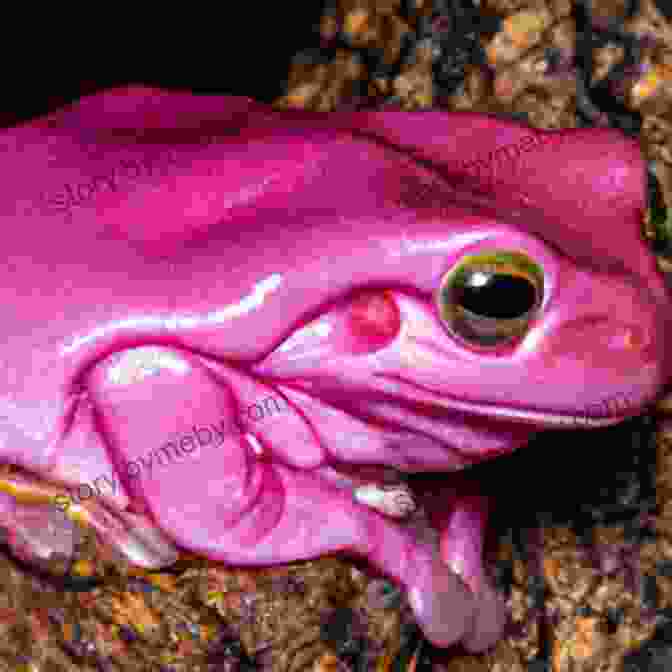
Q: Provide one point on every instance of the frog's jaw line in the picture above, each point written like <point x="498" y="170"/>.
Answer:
<point x="536" y="419"/>
<point x="490" y="412"/>
<point x="540" y="418"/>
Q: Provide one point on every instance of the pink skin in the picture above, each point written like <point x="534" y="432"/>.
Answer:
<point x="220" y="250"/>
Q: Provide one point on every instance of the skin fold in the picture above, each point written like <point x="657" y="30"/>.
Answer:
<point x="174" y="259"/>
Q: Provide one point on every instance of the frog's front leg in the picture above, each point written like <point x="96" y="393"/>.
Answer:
<point x="456" y="508"/>
<point x="233" y="502"/>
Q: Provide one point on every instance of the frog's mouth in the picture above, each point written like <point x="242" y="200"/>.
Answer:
<point x="429" y="430"/>
<point x="498" y="413"/>
<point x="537" y="418"/>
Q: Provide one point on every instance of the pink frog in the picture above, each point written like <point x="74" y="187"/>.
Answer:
<point x="229" y="329"/>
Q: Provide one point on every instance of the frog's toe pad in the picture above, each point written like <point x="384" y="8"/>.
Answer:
<point x="448" y="612"/>
<point x="443" y="606"/>
<point x="489" y="620"/>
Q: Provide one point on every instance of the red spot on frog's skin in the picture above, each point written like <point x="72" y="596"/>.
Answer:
<point x="374" y="320"/>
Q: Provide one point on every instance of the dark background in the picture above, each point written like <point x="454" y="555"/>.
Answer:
<point x="241" y="48"/>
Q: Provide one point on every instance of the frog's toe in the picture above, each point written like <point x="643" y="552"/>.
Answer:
<point x="36" y="533"/>
<point x="489" y="620"/>
<point x="37" y="529"/>
<point x="441" y="603"/>
<point x="449" y="612"/>
<point x="133" y="535"/>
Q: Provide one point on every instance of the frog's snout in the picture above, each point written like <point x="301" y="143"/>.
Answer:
<point x="604" y="336"/>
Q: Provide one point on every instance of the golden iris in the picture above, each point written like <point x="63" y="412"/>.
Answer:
<point x="489" y="298"/>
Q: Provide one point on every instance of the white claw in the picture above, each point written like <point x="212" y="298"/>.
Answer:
<point x="394" y="500"/>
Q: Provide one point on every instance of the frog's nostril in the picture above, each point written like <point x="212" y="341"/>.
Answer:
<point x="629" y="337"/>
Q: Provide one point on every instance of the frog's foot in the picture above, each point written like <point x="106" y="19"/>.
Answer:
<point x="447" y="515"/>
<point x="37" y="533"/>
<point x="459" y="512"/>
<point x="37" y="530"/>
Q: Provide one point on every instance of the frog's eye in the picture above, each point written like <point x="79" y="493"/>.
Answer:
<point x="489" y="298"/>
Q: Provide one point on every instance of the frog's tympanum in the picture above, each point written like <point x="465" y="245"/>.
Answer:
<point x="226" y="326"/>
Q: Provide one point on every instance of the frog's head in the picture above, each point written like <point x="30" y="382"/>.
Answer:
<point x="515" y="304"/>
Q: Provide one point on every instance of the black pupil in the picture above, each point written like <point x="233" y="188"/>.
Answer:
<point x="500" y="296"/>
